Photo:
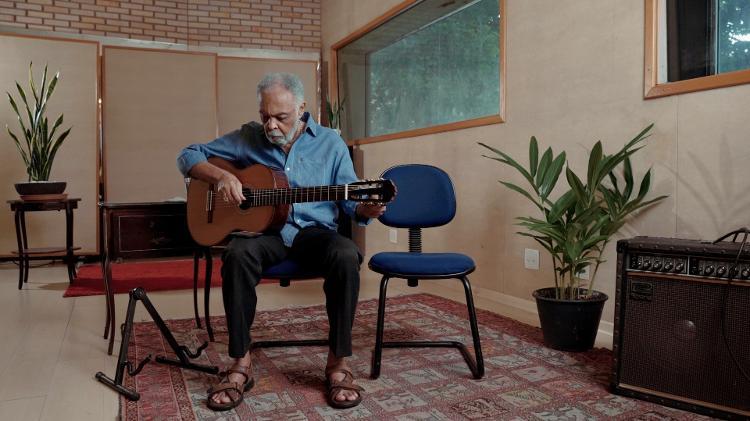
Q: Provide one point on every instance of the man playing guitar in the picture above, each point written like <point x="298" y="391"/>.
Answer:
<point x="287" y="138"/>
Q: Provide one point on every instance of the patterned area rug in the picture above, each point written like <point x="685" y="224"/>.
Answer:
<point x="523" y="381"/>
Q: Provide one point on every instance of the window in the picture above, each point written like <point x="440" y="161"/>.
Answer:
<point x="696" y="44"/>
<point x="433" y="66"/>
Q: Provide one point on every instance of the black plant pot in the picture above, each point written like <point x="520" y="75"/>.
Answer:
<point x="569" y="325"/>
<point x="35" y="188"/>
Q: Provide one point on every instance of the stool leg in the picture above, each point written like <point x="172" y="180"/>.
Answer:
<point x="196" y="261"/>
<point x="377" y="354"/>
<point x="19" y="240"/>
<point x="207" y="294"/>
<point x="479" y="372"/>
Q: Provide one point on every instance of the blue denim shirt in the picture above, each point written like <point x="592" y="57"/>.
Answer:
<point x="318" y="157"/>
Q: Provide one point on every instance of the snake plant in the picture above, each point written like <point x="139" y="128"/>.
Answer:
<point x="38" y="143"/>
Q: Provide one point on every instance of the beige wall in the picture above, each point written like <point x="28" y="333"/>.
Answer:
<point x="574" y="75"/>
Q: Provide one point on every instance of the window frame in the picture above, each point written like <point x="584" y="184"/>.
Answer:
<point x="458" y="125"/>
<point x="653" y="89"/>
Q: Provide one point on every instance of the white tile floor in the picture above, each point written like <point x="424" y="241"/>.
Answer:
<point x="50" y="346"/>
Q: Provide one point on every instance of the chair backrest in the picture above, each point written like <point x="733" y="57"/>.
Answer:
<point x="425" y="197"/>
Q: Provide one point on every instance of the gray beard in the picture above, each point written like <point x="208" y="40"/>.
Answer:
<point x="286" y="139"/>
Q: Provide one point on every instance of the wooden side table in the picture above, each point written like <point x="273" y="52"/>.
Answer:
<point x="26" y="253"/>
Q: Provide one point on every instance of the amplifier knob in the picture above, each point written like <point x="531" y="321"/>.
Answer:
<point x="667" y="266"/>
<point x="708" y="270"/>
<point x="679" y="267"/>
<point x="646" y="264"/>
<point x="745" y="273"/>
<point x="721" y="270"/>
<point x="734" y="271"/>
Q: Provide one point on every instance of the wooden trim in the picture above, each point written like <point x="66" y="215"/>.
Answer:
<point x="333" y="87"/>
<point x="465" y="124"/>
<point x="98" y="140"/>
<point x="503" y="36"/>
<point x="650" y="58"/>
<point x="265" y="59"/>
<point x="359" y="33"/>
<point x="49" y="38"/>
<point x="653" y="89"/>
<point x="157" y="50"/>
<point x="699" y="84"/>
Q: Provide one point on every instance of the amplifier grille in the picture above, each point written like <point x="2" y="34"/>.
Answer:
<point x="671" y="339"/>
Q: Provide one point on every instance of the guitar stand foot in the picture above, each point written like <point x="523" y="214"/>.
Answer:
<point x="183" y="353"/>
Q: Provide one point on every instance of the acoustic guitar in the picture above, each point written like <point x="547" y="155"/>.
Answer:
<point x="267" y="201"/>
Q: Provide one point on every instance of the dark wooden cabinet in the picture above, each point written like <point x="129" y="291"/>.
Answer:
<point x="146" y="230"/>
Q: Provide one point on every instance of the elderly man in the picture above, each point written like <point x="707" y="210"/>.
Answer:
<point x="287" y="138"/>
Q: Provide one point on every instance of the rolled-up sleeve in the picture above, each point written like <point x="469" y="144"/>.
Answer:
<point x="225" y="147"/>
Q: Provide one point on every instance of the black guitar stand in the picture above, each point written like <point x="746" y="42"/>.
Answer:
<point x="183" y="353"/>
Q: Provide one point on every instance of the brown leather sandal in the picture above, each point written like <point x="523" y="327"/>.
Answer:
<point x="233" y="390"/>
<point x="336" y="386"/>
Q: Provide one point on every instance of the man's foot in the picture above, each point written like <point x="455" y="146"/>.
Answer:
<point x="229" y="392"/>
<point x="342" y="392"/>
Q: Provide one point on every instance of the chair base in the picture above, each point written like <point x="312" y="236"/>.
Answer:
<point x="476" y="363"/>
<point x="470" y="361"/>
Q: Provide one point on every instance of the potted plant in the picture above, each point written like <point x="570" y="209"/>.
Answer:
<point x="38" y="142"/>
<point x="334" y="114"/>
<point x="575" y="229"/>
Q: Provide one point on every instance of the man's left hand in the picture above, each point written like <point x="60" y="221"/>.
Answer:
<point x="370" y="210"/>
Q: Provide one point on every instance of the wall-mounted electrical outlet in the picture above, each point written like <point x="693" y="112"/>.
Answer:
<point x="531" y="259"/>
<point x="393" y="236"/>
<point x="584" y="274"/>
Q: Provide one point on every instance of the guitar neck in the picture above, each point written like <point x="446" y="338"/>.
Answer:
<point x="272" y="197"/>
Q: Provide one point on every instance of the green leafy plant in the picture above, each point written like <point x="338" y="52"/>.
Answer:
<point x="334" y="113"/>
<point x="576" y="227"/>
<point x="39" y="145"/>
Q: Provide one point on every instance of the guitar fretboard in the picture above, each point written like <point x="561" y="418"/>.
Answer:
<point x="273" y="197"/>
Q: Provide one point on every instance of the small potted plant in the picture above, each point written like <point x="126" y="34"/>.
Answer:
<point x="39" y="141"/>
<point x="575" y="229"/>
<point x="334" y="114"/>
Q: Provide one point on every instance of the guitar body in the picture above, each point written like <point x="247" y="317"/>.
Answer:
<point x="211" y="219"/>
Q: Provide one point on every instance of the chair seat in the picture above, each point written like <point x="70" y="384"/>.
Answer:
<point x="427" y="264"/>
<point x="290" y="269"/>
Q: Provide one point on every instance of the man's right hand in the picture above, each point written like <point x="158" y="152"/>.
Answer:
<point x="230" y="188"/>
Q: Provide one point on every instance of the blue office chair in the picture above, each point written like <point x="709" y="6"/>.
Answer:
<point x="285" y="271"/>
<point x="425" y="199"/>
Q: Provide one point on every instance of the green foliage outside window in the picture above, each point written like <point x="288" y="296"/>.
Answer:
<point x="733" y="35"/>
<point x="445" y="72"/>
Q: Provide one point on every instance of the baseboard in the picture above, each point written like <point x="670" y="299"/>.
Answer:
<point x="516" y="308"/>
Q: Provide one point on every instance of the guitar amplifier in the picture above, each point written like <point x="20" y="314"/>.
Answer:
<point x="682" y="325"/>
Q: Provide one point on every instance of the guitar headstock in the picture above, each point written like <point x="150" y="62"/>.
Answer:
<point x="378" y="191"/>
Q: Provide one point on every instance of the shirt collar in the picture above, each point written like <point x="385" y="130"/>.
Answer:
<point x="310" y="125"/>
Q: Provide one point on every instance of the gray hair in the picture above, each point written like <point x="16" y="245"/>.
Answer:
<point x="288" y="81"/>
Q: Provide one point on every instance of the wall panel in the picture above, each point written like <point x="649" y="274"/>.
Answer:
<point x="76" y="161"/>
<point x="239" y="77"/>
<point x="155" y="103"/>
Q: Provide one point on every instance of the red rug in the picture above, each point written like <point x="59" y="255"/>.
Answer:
<point x="149" y="275"/>
<point x="523" y="381"/>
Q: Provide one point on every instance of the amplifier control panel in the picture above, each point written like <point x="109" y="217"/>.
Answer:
<point x="689" y="265"/>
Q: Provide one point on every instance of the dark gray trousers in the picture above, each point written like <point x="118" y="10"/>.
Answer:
<point x="245" y="258"/>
